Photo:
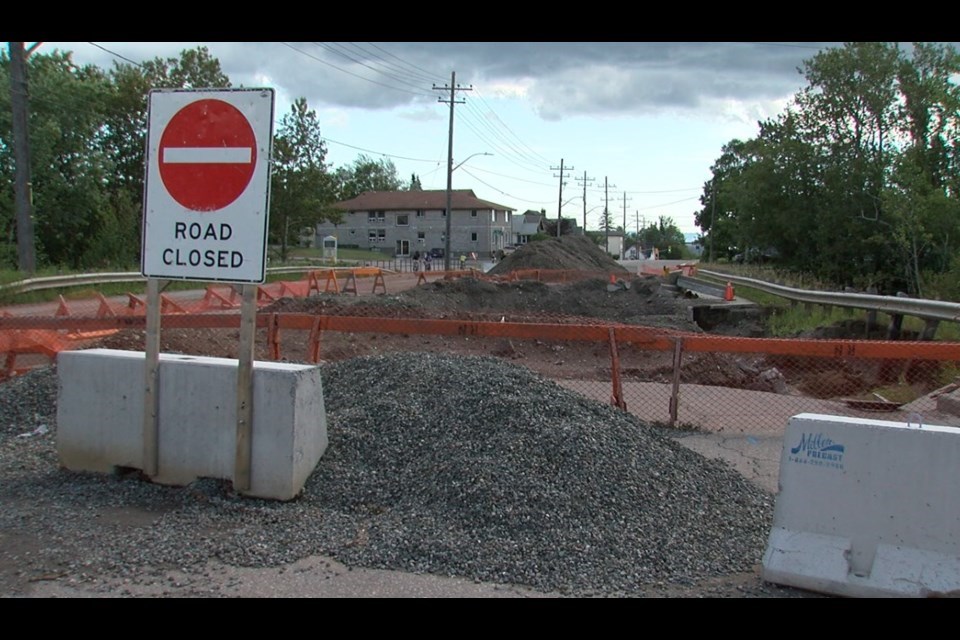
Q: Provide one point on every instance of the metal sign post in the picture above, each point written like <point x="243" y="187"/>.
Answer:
<point x="248" y="330"/>
<point x="151" y="395"/>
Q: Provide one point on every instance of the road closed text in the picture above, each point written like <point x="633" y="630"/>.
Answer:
<point x="219" y="232"/>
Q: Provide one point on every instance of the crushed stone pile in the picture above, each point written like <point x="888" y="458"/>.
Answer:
<point x="577" y="253"/>
<point x="479" y="468"/>
<point x="448" y="465"/>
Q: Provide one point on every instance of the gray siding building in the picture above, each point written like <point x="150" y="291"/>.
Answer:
<point x="399" y="223"/>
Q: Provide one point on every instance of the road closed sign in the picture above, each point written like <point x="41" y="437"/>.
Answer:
<point x="207" y="191"/>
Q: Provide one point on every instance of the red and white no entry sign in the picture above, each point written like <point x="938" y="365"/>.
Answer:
<point x="207" y="188"/>
<point x="207" y="155"/>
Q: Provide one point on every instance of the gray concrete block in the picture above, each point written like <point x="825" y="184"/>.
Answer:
<point x="100" y="418"/>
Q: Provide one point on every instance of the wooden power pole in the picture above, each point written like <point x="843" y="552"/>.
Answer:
<point x="26" y="254"/>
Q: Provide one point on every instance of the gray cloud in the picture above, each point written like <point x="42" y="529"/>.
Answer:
<point x="561" y="78"/>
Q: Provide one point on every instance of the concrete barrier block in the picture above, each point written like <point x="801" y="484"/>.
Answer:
<point x="100" y="409"/>
<point x="867" y="508"/>
<point x="100" y="424"/>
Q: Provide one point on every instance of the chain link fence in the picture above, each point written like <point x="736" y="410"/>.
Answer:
<point x="666" y="373"/>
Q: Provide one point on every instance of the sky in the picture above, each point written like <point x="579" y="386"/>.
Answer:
<point x="638" y="123"/>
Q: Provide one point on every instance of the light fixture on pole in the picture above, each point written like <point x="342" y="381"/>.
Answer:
<point x="452" y="168"/>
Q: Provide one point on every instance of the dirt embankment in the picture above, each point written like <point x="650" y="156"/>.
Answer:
<point x="567" y="252"/>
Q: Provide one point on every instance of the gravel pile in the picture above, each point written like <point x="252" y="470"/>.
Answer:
<point x="469" y="467"/>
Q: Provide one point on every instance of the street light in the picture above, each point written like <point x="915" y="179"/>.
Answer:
<point x="452" y="168"/>
<point x="480" y="153"/>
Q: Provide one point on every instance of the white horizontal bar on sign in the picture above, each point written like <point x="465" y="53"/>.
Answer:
<point x="206" y="155"/>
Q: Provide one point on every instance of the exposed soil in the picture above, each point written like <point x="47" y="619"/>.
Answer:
<point x="626" y="299"/>
<point x="568" y="252"/>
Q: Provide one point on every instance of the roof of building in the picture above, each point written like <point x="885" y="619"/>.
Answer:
<point x="528" y="223"/>
<point x="409" y="200"/>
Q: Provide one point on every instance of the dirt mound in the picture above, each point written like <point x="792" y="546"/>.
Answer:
<point x="567" y="252"/>
<point x="643" y="302"/>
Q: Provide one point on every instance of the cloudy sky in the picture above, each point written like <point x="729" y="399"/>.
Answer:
<point x="641" y="121"/>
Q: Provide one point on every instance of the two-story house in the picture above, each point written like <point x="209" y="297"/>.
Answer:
<point x="402" y="222"/>
<point x="526" y="225"/>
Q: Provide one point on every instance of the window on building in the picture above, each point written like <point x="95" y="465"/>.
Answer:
<point x="473" y="214"/>
<point x="419" y="213"/>
<point x="376" y="217"/>
<point x="403" y="220"/>
<point x="421" y="237"/>
<point x="377" y="235"/>
<point x="473" y="237"/>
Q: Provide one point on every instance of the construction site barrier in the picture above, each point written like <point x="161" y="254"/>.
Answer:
<point x="741" y="384"/>
<point x="867" y="508"/>
<point x="658" y="398"/>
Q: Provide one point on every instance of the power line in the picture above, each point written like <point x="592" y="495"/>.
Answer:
<point x="501" y="192"/>
<point x="379" y="153"/>
<point x="419" y="77"/>
<point x="331" y="47"/>
<point x="350" y="73"/>
<point x="115" y="54"/>
<point x="513" y="149"/>
<point x="413" y="66"/>
<point x="479" y="95"/>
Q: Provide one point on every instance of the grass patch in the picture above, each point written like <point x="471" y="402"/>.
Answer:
<point x="790" y="321"/>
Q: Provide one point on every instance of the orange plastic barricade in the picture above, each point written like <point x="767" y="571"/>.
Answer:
<point x="134" y="303"/>
<point x="332" y="277"/>
<point x="378" y="282"/>
<point x="350" y="284"/>
<point x="263" y="296"/>
<point x="213" y="296"/>
<point x="167" y="305"/>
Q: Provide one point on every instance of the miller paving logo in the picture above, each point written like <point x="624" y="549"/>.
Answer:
<point x="819" y="450"/>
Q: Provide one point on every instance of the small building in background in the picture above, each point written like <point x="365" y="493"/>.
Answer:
<point x="398" y="223"/>
<point x="526" y="225"/>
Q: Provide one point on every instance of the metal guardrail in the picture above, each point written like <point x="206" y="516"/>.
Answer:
<point x="81" y="279"/>
<point x="894" y="305"/>
<point x="701" y="286"/>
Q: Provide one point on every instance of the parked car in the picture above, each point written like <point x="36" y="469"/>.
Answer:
<point x="436" y="253"/>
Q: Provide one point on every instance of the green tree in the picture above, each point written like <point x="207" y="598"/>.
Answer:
<point x="366" y="174"/>
<point x="301" y="187"/>
<point x="414" y="183"/>
<point x="857" y="182"/>
<point x="666" y="236"/>
<point x="68" y="166"/>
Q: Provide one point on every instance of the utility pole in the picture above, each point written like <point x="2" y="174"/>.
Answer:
<point x="453" y="88"/>
<point x="26" y="254"/>
<point x="637" y="243"/>
<point x="623" y="245"/>
<point x="560" y="200"/>
<point x="713" y="215"/>
<point x="585" y="181"/>
<point x="606" y="212"/>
